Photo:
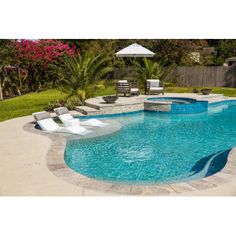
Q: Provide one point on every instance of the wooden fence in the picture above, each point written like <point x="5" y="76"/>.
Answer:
<point x="195" y="76"/>
<point x="206" y="76"/>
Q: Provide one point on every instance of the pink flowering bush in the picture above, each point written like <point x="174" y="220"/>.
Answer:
<point x="37" y="55"/>
<point x="42" y="52"/>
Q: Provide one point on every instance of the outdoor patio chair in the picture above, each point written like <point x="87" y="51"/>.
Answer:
<point x="125" y="87"/>
<point x="154" y="87"/>
<point x="67" y="119"/>
<point x="46" y="123"/>
<point x="134" y="88"/>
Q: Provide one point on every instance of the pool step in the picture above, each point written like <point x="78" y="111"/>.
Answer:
<point x="87" y="110"/>
<point x="212" y="98"/>
<point x="76" y="113"/>
<point x="87" y="104"/>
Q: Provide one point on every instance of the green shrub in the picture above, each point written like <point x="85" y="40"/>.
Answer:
<point x="169" y="84"/>
<point x="69" y="103"/>
<point x="196" y="90"/>
<point x="73" y="102"/>
<point x="206" y="88"/>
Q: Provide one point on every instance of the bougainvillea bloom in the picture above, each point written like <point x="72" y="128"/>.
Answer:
<point x="42" y="52"/>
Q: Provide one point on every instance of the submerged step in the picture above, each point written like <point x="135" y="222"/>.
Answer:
<point x="87" y="110"/>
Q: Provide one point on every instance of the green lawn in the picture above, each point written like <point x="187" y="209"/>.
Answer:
<point x="27" y="104"/>
<point x="230" y="92"/>
<point x="33" y="102"/>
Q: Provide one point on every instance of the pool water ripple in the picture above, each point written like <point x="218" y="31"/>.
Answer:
<point x="158" y="148"/>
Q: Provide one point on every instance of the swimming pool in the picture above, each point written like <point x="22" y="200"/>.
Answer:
<point x="158" y="147"/>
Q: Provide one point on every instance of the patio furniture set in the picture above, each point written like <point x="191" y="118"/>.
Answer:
<point x="127" y="88"/>
<point x="131" y="88"/>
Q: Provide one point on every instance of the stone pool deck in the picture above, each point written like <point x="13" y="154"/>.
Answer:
<point x="97" y="106"/>
<point x="32" y="164"/>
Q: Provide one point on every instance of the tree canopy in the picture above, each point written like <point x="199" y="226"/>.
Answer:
<point x="26" y="65"/>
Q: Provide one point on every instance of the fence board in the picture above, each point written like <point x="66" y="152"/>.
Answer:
<point x="206" y="76"/>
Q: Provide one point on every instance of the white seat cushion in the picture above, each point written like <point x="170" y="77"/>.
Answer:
<point x="48" y="124"/>
<point x="156" y="88"/>
<point x="65" y="117"/>
<point x="122" y="81"/>
<point x="134" y="89"/>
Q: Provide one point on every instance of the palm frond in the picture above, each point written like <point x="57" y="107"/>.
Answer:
<point x="81" y="76"/>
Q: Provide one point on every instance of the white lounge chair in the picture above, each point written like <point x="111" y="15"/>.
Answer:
<point x="67" y="119"/>
<point x="46" y="123"/>
<point x="154" y="86"/>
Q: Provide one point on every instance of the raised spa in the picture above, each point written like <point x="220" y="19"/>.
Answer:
<point x="173" y="100"/>
<point x="175" y="105"/>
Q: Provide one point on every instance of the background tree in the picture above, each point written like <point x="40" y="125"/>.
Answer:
<point x="7" y="58"/>
<point x="24" y="64"/>
<point x="225" y="48"/>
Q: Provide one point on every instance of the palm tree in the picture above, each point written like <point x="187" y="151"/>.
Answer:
<point x="82" y="76"/>
<point x="153" y="70"/>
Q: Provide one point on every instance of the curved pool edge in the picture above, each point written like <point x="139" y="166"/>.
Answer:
<point x="56" y="164"/>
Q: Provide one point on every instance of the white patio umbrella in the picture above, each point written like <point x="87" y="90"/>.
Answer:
<point x="135" y="50"/>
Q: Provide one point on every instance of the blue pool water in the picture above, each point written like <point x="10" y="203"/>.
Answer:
<point x="158" y="147"/>
<point x="174" y="100"/>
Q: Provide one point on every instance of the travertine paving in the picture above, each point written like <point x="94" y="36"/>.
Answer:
<point x="98" y="102"/>
<point x="135" y="103"/>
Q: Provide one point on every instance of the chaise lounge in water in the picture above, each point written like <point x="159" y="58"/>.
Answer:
<point x="67" y="119"/>
<point x="46" y="123"/>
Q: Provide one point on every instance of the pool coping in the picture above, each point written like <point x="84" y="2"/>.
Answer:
<point x="56" y="164"/>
